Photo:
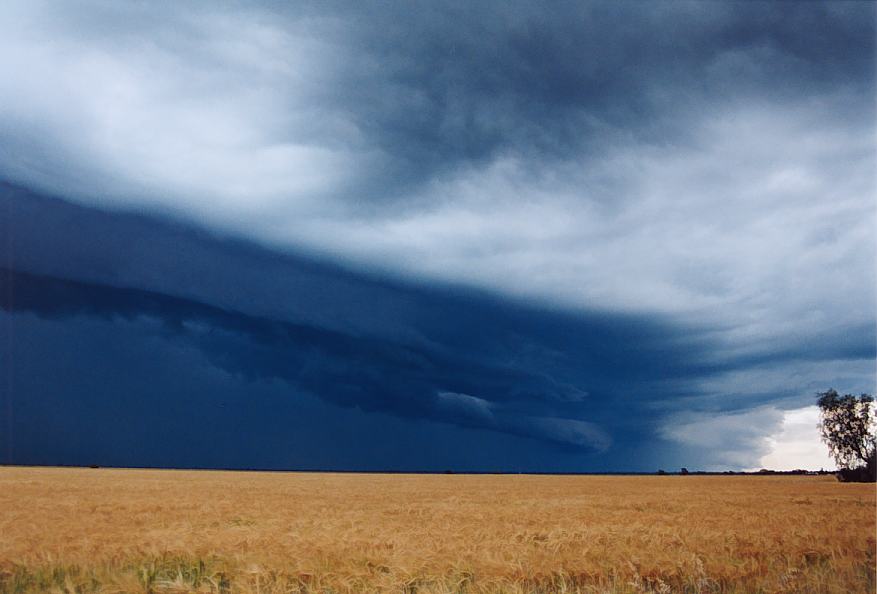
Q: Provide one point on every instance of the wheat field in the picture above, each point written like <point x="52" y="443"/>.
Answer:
<point x="113" y="530"/>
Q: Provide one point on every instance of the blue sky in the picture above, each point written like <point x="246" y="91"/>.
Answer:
<point x="604" y="236"/>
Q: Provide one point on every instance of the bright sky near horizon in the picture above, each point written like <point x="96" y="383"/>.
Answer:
<point x="798" y="443"/>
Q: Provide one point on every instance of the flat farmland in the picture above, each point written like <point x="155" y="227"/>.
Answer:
<point x="114" y="530"/>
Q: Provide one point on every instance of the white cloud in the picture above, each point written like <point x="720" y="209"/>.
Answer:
<point x="798" y="444"/>
<point x="206" y="115"/>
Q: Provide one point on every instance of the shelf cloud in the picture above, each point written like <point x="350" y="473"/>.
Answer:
<point x="588" y="226"/>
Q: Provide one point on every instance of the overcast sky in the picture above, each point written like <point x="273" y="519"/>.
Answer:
<point x="595" y="236"/>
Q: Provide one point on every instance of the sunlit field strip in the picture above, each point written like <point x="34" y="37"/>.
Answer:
<point x="106" y="530"/>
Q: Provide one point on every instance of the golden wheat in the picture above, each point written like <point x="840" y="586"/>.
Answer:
<point x="108" y="530"/>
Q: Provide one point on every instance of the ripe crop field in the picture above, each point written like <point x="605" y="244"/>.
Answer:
<point x="105" y="530"/>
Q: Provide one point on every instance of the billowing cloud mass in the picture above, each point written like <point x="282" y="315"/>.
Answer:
<point x="590" y="236"/>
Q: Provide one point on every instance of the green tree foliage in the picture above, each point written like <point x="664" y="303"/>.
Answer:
<point x="847" y="427"/>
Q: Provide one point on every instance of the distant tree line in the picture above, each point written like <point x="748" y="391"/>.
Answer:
<point x="762" y="472"/>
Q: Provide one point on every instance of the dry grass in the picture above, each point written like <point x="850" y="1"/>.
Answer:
<point x="105" y="530"/>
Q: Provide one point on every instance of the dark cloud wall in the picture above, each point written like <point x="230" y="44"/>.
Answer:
<point x="464" y="358"/>
<point x="146" y="401"/>
<point x="100" y="345"/>
<point x="345" y="370"/>
<point x="584" y="236"/>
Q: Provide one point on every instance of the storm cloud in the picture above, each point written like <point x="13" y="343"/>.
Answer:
<point x="596" y="226"/>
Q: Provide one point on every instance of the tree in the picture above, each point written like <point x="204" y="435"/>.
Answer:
<point x="847" y="427"/>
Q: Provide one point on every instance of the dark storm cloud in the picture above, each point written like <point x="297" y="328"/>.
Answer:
<point x="458" y="82"/>
<point x="346" y="370"/>
<point x="570" y="222"/>
<point x="465" y="358"/>
<point x="538" y="375"/>
<point x="586" y="381"/>
<point x="93" y="391"/>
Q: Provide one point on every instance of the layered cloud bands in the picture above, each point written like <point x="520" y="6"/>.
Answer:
<point x="689" y="186"/>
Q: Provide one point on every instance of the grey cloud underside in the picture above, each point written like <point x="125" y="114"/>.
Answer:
<point x="456" y="82"/>
<point x="670" y="157"/>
